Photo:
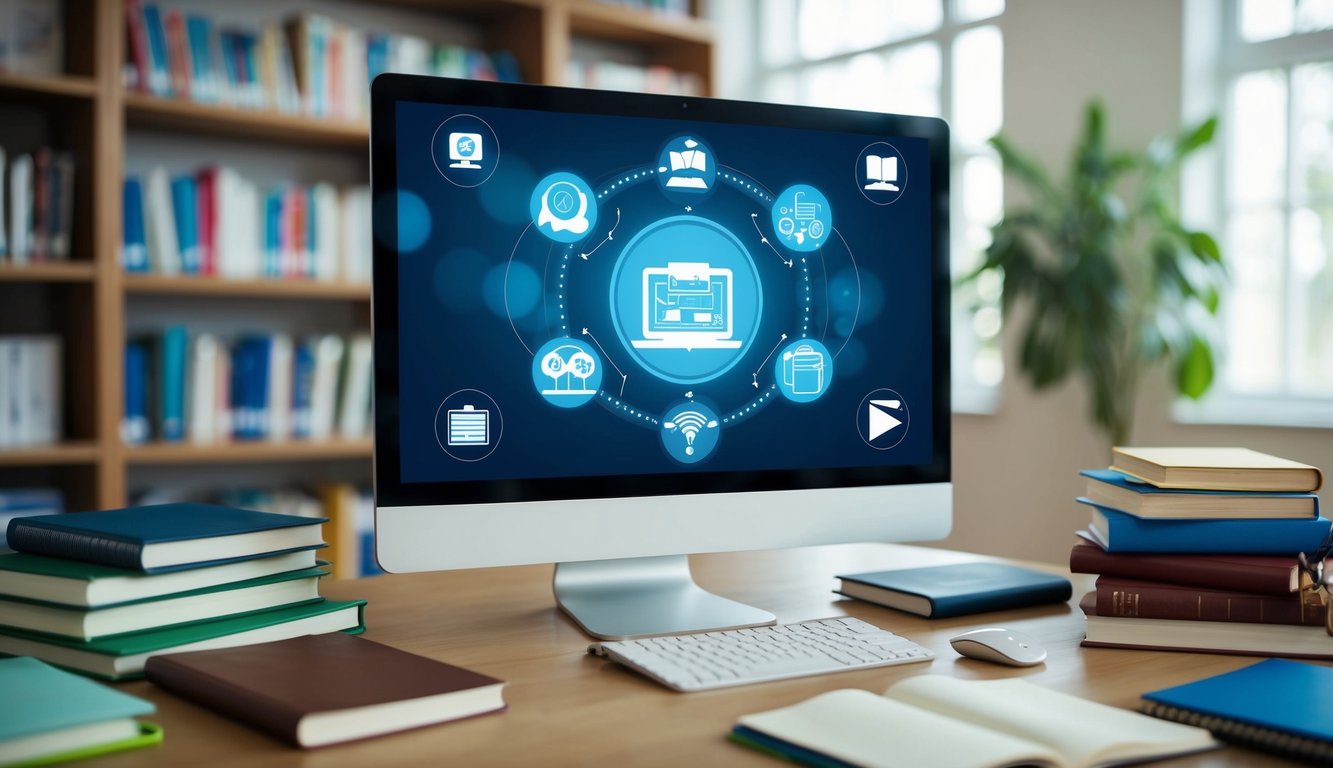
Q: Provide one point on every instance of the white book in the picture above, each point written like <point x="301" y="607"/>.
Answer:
<point x="201" y="423"/>
<point x="20" y="392"/>
<point x="4" y="229"/>
<point x="325" y="204"/>
<point x="354" y="410"/>
<point x="230" y="254"/>
<point x="280" y="387"/>
<point x="324" y="393"/>
<point x="356" y="86"/>
<point x="164" y="254"/>
<point x="20" y="210"/>
<point x="10" y="354"/>
<point x="356" y="247"/>
<point x="41" y="401"/>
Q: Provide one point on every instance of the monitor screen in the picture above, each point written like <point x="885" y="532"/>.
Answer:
<point x="599" y="297"/>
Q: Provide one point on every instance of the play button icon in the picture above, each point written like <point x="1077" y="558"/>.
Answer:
<point x="882" y="419"/>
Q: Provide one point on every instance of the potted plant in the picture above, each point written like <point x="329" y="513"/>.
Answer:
<point x="1113" y="281"/>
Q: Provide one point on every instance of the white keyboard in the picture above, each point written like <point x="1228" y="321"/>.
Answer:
<point x="759" y="654"/>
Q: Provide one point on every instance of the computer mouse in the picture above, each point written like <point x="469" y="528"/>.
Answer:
<point x="1002" y="646"/>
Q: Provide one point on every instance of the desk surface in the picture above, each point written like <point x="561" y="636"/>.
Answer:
<point x="569" y="708"/>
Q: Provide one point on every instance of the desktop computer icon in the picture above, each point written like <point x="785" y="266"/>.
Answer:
<point x="465" y="149"/>
<point x="687" y="305"/>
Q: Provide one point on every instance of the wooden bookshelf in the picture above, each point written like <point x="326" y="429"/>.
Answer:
<point x="87" y="299"/>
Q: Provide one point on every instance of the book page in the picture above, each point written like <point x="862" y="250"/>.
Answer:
<point x="863" y="729"/>
<point x="1084" y="732"/>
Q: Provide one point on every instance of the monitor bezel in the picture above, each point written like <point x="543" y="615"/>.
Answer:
<point x="390" y="491"/>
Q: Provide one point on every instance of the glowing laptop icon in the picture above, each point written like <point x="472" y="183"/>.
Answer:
<point x="687" y="305"/>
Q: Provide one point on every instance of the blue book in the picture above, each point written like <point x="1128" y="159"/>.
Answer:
<point x="1276" y="705"/>
<point x="171" y="394"/>
<point x="48" y="715"/>
<point x="241" y="361"/>
<point x="377" y="55"/>
<point x="1117" y="531"/>
<point x="199" y="32"/>
<point x="134" y="426"/>
<point x="159" y="70"/>
<point x="956" y="590"/>
<point x="303" y="385"/>
<point x="185" y="206"/>
<point x="164" y="537"/>
<point x="227" y="50"/>
<point x="273" y="232"/>
<point x="133" y="249"/>
<point x="1119" y="491"/>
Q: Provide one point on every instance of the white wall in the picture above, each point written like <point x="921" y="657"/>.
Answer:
<point x="1015" y="472"/>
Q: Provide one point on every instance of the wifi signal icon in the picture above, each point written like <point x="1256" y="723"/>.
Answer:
<point x="697" y="427"/>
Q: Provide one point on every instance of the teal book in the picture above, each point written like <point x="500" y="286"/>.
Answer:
<point x="1276" y="705"/>
<point x="123" y="656"/>
<point x="46" y="714"/>
<point x="1117" y="531"/>
<point x="956" y="590"/>
<point x="1119" y="491"/>
<point x="164" y="537"/>
<point x="159" y="612"/>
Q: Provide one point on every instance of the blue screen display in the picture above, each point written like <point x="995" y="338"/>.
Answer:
<point x="588" y="295"/>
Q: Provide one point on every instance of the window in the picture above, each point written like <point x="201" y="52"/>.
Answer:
<point x="1273" y="211"/>
<point x="926" y="57"/>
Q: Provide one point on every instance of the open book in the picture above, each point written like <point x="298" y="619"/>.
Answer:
<point x="940" y="720"/>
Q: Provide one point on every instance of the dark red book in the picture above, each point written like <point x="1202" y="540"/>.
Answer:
<point x="1260" y="574"/>
<point x="138" y="43"/>
<point x="178" y="53"/>
<point x="206" y="181"/>
<point x="1155" y="600"/>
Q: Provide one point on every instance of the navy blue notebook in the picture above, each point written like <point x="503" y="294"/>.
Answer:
<point x="164" y="537"/>
<point x="942" y="591"/>
<point x="1117" y="531"/>
<point x="1277" y="705"/>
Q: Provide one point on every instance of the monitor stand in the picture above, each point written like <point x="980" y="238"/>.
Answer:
<point x="644" y="597"/>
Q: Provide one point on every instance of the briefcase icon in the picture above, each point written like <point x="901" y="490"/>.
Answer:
<point x="803" y="370"/>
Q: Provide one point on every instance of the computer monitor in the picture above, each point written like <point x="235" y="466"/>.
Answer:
<point x="634" y="328"/>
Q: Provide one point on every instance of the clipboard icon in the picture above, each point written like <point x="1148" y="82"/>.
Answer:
<point x="469" y="426"/>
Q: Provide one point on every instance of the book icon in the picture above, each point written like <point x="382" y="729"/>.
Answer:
<point x="882" y="172"/>
<point x="469" y="426"/>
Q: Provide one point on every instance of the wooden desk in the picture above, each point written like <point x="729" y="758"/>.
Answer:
<point x="569" y="708"/>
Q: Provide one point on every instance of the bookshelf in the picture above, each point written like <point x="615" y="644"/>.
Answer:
<point x="88" y="300"/>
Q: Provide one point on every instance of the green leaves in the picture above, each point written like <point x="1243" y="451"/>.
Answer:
<point x="1112" y="281"/>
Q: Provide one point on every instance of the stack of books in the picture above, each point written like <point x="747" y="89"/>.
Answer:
<point x="101" y="592"/>
<point x="1196" y="550"/>
<point x="36" y="205"/>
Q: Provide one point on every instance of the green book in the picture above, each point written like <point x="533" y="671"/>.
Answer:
<point x="123" y="656"/>
<point x="88" y="585"/>
<point x="158" y="612"/>
<point x="48" y="715"/>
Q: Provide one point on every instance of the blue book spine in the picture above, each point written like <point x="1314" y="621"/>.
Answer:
<point x="259" y="385"/>
<point x="185" y="205"/>
<point x="273" y="233"/>
<point x="236" y="393"/>
<point x="303" y="384"/>
<point x="134" y="424"/>
<point x="229" y="69"/>
<point x="318" y="61"/>
<point x="175" y="341"/>
<point x="311" y="234"/>
<point x="377" y="55"/>
<point x="134" y="251"/>
<point x="159" y="75"/>
<point x="199" y="31"/>
<point x="1126" y="533"/>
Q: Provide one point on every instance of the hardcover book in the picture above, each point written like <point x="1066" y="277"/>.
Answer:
<point x="1119" y="491"/>
<point x="941" y="720"/>
<point x="325" y="689"/>
<point x="1149" y="600"/>
<point x="1276" y="705"/>
<point x="956" y="590"/>
<point x="123" y="656"/>
<point x="1259" y="574"/>
<point x="1243" y="639"/>
<point x="163" y="537"/>
<point x="1117" y="532"/>
<point x="1221" y="469"/>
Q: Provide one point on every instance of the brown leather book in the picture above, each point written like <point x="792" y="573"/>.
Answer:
<point x="1260" y="574"/>
<point x="1152" y="600"/>
<point x="325" y="689"/>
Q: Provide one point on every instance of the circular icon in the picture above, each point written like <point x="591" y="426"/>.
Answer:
<point x="803" y="370"/>
<point x="686" y="169"/>
<point x="802" y="217"/>
<point x="468" y="425"/>
<point x="465" y="150"/>
<point x="883" y="419"/>
<point x="685" y="299"/>
<point x="690" y="431"/>
<point x="881" y="173"/>
<point x="563" y="207"/>
<point x="566" y="372"/>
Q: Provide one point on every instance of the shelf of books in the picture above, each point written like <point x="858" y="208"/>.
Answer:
<point x="269" y="288"/>
<point x="248" y="452"/>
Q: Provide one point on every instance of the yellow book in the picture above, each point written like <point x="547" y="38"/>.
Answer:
<point x="1216" y="469"/>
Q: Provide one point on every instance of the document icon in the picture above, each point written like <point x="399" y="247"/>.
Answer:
<point x="469" y="426"/>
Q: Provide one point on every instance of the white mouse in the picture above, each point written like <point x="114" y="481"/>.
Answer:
<point x="1002" y="646"/>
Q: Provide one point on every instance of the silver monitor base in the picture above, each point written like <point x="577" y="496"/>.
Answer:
<point x="644" y="597"/>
